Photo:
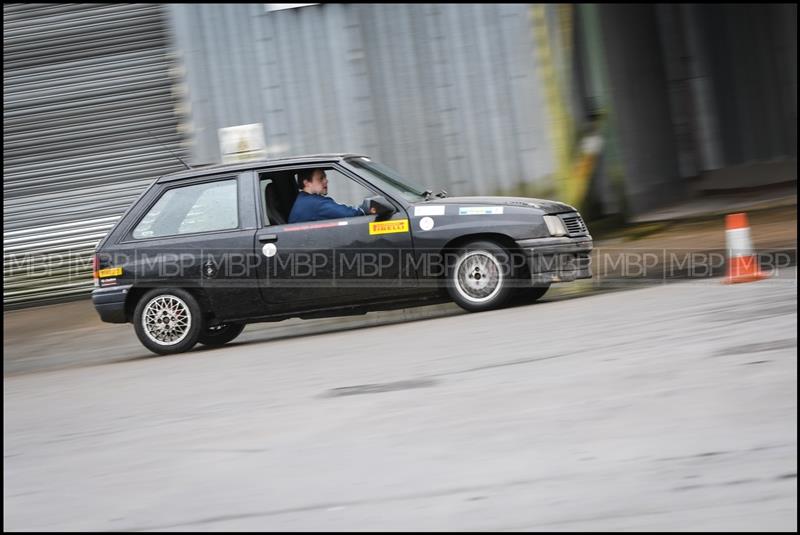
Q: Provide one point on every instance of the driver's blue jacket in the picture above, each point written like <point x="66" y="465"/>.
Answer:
<point x="312" y="207"/>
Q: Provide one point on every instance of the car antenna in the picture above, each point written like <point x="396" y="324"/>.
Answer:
<point x="186" y="165"/>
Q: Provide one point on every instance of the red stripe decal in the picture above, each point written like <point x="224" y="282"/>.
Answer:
<point x="312" y="227"/>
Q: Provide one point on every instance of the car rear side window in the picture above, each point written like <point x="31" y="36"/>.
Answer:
<point x="191" y="209"/>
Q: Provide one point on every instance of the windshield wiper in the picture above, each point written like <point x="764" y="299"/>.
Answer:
<point x="429" y="194"/>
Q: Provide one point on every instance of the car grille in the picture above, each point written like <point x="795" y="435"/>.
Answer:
<point x="574" y="223"/>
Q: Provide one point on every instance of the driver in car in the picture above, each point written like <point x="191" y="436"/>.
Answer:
<point x="312" y="203"/>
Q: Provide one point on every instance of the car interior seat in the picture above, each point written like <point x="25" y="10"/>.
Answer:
<point x="274" y="214"/>
<point x="280" y="194"/>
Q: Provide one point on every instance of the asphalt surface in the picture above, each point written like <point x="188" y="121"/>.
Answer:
<point x="672" y="407"/>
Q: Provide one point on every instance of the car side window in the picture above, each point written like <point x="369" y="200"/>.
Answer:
<point x="189" y="209"/>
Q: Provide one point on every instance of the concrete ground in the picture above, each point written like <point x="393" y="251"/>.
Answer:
<point x="659" y="408"/>
<point x="672" y="407"/>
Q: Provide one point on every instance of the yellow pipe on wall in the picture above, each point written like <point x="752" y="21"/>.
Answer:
<point x="574" y="164"/>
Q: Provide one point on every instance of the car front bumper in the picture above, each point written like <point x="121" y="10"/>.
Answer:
<point x="558" y="259"/>
<point x="110" y="303"/>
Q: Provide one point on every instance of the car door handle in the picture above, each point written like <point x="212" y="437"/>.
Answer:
<point x="266" y="238"/>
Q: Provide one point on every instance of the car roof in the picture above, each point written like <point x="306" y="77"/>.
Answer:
<point x="254" y="164"/>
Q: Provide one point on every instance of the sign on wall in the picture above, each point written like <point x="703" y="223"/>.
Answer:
<point x="242" y="142"/>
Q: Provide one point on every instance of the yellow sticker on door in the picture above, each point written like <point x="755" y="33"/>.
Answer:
<point x="389" y="227"/>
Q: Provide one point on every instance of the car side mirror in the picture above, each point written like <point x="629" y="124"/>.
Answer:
<point x="381" y="206"/>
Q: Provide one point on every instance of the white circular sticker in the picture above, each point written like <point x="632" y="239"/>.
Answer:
<point x="269" y="250"/>
<point x="426" y="223"/>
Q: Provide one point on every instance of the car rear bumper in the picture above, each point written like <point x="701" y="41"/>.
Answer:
<point x="110" y="303"/>
<point x="558" y="259"/>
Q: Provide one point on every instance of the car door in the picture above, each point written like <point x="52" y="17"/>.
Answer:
<point x="337" y="261"/>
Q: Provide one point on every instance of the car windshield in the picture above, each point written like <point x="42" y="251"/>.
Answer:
<point x="411" y="192"/>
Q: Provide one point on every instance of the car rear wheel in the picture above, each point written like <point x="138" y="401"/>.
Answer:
<point x="220" y="335"/>
<point x="480" y="277"/>
<point x="168" y="320"/>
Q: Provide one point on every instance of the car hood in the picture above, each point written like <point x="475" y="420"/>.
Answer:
<point x="548" y="207"/>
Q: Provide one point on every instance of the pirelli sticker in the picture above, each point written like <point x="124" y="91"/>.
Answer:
<point x="109" y="272"/>
<point x="388" y="227"/>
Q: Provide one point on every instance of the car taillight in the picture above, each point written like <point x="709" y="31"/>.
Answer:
<point x="95" y="269"/>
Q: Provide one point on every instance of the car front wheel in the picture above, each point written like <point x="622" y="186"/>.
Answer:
<point x="480" y="278"/>
<point x="168" y="321"/>
<point x="527" y="296"/>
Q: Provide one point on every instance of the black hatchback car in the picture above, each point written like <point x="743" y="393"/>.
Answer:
<point x="205" y="251"/>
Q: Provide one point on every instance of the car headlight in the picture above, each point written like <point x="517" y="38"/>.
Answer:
<point x="555" y="225"/>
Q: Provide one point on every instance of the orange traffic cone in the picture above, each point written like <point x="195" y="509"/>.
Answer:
<point x="742" y="262"/>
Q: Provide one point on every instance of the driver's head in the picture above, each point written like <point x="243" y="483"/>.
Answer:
<point x="313" y="181"/>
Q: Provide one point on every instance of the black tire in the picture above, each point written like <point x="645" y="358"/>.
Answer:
<point x="474" y="262"/>
<point x="176" y="307"/>
<point x="221" y="334"/>
<point x="527" y="296"/>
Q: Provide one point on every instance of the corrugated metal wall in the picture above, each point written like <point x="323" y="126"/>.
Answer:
<point x="732" y="73"/>
<point x="641" y="106"/>
<point x="447" y="94"/>
<point x="753" y="68"/>
<point x="82" y="86"/>
<point x="697" y="88"/>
